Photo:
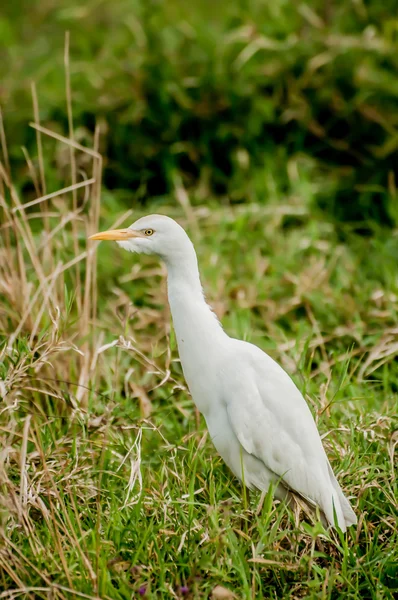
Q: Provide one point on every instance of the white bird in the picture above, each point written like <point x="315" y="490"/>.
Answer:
<point x="258" y="420"/>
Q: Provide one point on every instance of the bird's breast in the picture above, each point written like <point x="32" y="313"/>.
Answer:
<point x="201" y="378"/>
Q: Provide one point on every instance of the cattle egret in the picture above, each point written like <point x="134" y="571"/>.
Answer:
<point x="258" y="420"/>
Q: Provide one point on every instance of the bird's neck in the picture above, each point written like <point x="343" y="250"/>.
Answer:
<point x="197" y="329"/>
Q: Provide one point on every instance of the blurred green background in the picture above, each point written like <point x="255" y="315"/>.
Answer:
<point x="226" y="98"/>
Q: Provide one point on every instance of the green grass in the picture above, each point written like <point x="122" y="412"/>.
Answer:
<point x="110" y="486"/>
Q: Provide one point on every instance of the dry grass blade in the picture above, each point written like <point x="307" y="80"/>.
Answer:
<point x="381" y="353"/>
<point x="3" y="144"/>
<point x="61" y="192"/>
<point x="72" y="157"/>
<point x="65" y="140"/>
<point x="38" y="140"/>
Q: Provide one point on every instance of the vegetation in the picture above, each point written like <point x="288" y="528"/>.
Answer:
<point x="217" y="97"/>
<point x="109" y="485"/>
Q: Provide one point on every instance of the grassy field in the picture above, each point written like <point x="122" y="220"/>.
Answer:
<point x="109" y="485"/>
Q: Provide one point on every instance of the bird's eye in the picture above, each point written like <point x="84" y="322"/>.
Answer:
<point x="148" y="231"/>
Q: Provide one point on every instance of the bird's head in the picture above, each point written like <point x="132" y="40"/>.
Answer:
<point x="154" y="234"/>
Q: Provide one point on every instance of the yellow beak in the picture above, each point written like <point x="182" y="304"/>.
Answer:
<point x="116" y="234"/>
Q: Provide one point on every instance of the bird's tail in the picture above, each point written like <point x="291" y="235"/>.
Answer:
<point x="349" y="515"/>
<point x="334" y="502"/>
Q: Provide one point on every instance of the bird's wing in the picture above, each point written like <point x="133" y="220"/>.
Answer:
<point x="273" y="422"/>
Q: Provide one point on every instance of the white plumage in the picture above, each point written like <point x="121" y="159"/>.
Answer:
<point x="258" y="420"/>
